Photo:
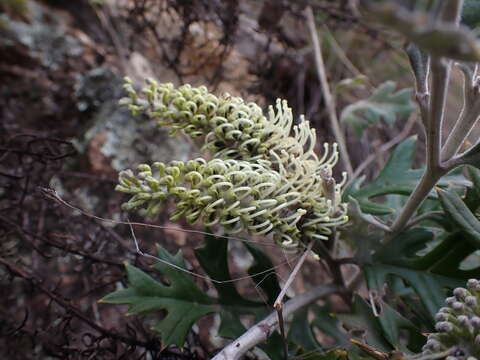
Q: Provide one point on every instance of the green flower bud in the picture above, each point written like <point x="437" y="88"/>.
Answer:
<point x="476" y="322"/>
<point x="471" y="301"/>
<point x="458" y="306"/>
<point x="473" y="283"/>
<point x="441" y="316"/>
<point x="450" y="300"/>
<point x="458" y="326"/>
<point x="460" y="293"/>
<point x="444" y="327"/>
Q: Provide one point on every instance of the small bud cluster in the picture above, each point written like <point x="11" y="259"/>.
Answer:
<point x="265" y="177"/>
<point x="458" y="325"/>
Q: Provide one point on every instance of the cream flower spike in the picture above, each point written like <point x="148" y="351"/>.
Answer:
<point x="265" y="177"/>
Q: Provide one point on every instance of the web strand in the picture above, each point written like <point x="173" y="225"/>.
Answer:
<point x="53" y="195"/>
<point x="140" y="252"/>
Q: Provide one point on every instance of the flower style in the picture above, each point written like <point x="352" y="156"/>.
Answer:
<point x="458" y="326"/>
<point x="232" y="129"/>
<point x="262" y="179"/>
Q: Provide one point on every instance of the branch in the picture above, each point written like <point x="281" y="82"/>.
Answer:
<point x="278" y="304"/>
<point x="262" y="330"/>
<point x="382" y="150"/>
<point x="56" y="244"/>
<point x="468" y="116"/>
<point x="452" y="11"/>
<point x="66" y="304"/>
<point x="341" y="54"/>
<point x="434" y="171"/>
<point x="440" y="69"/>
<point x="327" y="95"/>
<point x="440" y="80"/>
<point x="420" y="63"/>
<point x="469" y="157"/>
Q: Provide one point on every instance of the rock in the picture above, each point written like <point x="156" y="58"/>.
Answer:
<point x="117" y="140"/>
<point x="97" y="87"/>
<point x="44" y="34"/>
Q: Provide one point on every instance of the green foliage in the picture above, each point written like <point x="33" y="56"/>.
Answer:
<point x="471" y="13"/>
<point x="184" y="302"/>
<point x="461" y="215"/>
<point x="382" y="331"/>
<point x="350" y="83"/>
<point x="384" y="104"/>
<point x="397" y="177"/>
<point x="434" y="37"/>
<point x="472" y="196"/>
<point x="428" y="274"/>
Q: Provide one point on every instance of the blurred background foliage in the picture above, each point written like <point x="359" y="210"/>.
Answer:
<point x="61" y="65"/>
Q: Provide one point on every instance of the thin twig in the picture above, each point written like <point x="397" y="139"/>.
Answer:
<point x="434" y="171"/>
<point x="53" y="195"/>
<point x="422" y="190"/>
<point x="262" y="330"/>
<point x="440" y="80"/>
<point x="278" y="305"/>
<point x="54" y="243"/>
<point x="327" y="95"/>
<point x="468" y="115"/>
<point x="334" y="268"/>
<point x="292" y="276"/>
<point x="113" y="33"/>
<point x="192" y="273"/>
<point x="341" y="54"/>
<point x="420" y="64"/>
<point x="382" y="149"/>
<point x="15" y="270"/>
<point x="452" y="11"/>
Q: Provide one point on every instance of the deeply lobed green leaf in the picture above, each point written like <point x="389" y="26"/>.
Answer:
<point x="384" y="104"/>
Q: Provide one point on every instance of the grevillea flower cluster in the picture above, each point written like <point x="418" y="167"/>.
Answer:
<point x="458" y="326"/>
<point x="265" y="177"/>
